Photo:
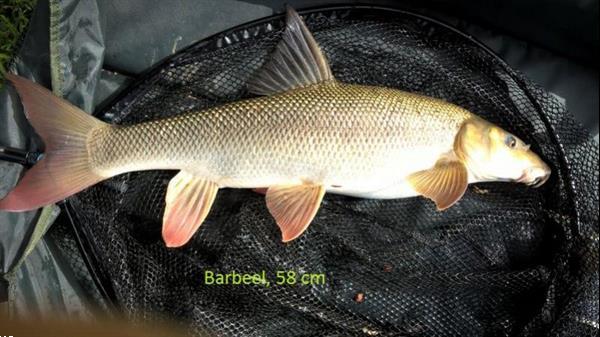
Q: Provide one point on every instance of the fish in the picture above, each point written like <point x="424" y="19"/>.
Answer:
<point x="301" y="135"/>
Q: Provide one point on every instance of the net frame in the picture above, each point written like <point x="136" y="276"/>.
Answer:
<point x="539" y="268"/>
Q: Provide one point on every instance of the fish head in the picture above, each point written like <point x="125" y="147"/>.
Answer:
<point x="494" y="154"/>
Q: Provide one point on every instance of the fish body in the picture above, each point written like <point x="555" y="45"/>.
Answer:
<point x="305" y="135"/>
<point x="353" y="139"/>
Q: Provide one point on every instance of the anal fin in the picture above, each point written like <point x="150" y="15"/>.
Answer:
<point x="294" y="207"/>
<point x="445" y="183"/>
<point x="188" y="201"/>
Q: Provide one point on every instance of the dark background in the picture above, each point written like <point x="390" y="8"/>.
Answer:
<point x="553" y="42"/>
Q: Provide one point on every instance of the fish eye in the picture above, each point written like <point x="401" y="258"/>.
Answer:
<point x="511" y="141"/>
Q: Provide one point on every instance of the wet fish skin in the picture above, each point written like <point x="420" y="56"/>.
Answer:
<point x="307" y="134"/>
<point x="358" y="137"/>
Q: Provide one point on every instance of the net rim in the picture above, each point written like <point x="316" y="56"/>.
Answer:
<point x="266" y="25"/>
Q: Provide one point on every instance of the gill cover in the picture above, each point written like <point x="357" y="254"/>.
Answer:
<point x="493" y="154"/>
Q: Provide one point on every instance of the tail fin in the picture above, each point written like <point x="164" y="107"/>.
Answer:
<point x="65" y="168"/>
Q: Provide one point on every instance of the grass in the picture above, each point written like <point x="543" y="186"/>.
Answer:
<point x="14" y="16"/>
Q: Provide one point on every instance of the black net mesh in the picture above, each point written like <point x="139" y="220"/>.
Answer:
<point x="507" y="260"/>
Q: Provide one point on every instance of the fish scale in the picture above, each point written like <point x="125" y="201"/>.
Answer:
<point x="355" y="136"/>
<point x="306" y="135"/>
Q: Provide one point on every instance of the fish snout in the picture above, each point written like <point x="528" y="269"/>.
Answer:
<point x="536" y="176"/>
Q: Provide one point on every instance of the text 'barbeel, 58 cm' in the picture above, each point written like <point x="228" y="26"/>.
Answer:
<point x="281" y="278"/>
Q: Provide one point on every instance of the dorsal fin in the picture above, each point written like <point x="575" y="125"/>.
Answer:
<point x="296" y="62"/>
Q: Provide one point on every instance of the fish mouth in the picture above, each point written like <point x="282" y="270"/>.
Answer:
<point x="539" y="181"/>
<point x="535" y="176"/>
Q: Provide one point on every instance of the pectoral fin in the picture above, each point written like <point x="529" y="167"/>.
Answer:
<point x="294" y="207"/>
<point x="445" y="183"/>
<point x="189" y="199"/>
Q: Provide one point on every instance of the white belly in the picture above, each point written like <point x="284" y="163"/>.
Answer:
<point x="401" y="189"/>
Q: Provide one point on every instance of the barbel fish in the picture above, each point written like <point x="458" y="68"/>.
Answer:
<point x="304" y="135"/>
